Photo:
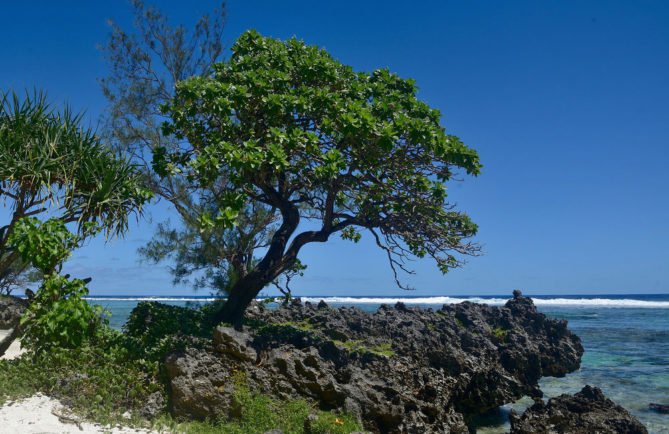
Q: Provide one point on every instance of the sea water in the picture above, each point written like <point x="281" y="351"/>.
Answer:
<point x="626" y="341"/>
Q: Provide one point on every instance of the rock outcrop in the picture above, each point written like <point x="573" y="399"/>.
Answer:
<point x="400" y="369"/>
<point x="588" y="411"/>
<point x="11" y="309"/>
<point x="660" y="408"/>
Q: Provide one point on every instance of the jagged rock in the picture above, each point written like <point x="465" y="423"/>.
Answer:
<point x="11" y="309"/>
<point x="235" y="343"/>
<point x="659" y="407"/>
<point x="154" y="404"/>
<point x="400" y="369"/>
<point x="588" y="411"/>
<point x="201" y="386"/>
<point x="309" y="422"/>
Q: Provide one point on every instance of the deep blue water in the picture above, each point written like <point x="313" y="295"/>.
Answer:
<point x="626" y="341"/>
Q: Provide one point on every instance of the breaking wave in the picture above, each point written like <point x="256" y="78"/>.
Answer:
<point x="437" y="301"/>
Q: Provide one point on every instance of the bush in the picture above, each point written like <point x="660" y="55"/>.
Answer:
<point x="98" y="381"/>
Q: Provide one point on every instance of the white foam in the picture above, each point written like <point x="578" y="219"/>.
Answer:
<point x="574" y="302"/>
<point x="406" y="300"/>
<point x="436" y="301"/>
<point x="601" y="302"/>
<point x="149" y="299"/>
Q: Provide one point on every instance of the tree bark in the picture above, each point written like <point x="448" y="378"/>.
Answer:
<point x="239" y="297"/>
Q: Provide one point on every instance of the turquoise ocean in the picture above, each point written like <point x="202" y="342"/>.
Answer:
<point x="626" y="341"/>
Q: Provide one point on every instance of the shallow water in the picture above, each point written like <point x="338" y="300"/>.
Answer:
<point x="626" y="343"/>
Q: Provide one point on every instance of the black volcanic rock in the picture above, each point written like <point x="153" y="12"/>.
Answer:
<point x="588" y="411"/>
<point x="400" y="369"/>
<point x="660" y="408"/>
<point x="11" y="309"/>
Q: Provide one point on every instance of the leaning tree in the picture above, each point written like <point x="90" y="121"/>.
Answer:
<point x="50" y="166"/>
<point x="290" y="127"/>
<point x="145" y="63"/>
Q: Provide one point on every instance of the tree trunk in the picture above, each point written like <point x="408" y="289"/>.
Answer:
<point x="239" y="297"/>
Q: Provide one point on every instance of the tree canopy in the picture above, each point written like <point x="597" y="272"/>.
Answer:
<point x="51" y="165"/>
<point x="288" y="126"/>
<point x="145" y="63"/>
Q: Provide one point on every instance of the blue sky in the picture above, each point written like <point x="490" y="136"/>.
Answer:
<point x="566" y="102"/>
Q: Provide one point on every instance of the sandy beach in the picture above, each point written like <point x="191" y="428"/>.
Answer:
<point x="14" y="349"/>
<point x="41" y="414"/>
<point x="45" y="415"/>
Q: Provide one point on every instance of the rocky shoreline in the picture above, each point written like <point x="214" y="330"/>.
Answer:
<point x="399" y="369"/>
<point x="11" y="309"/>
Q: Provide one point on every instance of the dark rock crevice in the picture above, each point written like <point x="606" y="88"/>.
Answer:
<point x="587" y="411"/>
<point x="11" y="309"/>
<point x="400" y="369"/>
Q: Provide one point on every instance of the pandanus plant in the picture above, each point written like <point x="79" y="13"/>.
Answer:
<point x="52" y="166"/>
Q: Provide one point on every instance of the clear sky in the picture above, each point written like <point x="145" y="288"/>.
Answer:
<point x="567" y="103"/>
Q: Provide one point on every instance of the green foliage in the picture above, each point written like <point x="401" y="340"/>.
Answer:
<point x="261" y="413"/>
<point x="356" y="346"/>
<point x="219" y="256"/>
<point x="99" y="381"/>
<point x="51" y="165"/>
<point x="46" y="245"/>
<point x="58" y="316"/>
<point x="351" y="234"/>
<point x="48" y="159"/>
<point x="289" y="127"/>
<point x="500" y="333"/>
<point x="305" y="325"/>
<point x="155" y="329"/>
<point x="143" y="72"/>
<point x="116" y="372"/>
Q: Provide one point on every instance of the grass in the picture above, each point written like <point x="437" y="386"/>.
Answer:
<point x="261" y="414"/>
<point x="99" y="387"/>
<point x="288" y="328"/>
<point x="500" y="333"/>
<point x="98" y="384"/>
<point x="355" y="346"/>
<point x="306" y="325"/>
<point x="113" y="375"/>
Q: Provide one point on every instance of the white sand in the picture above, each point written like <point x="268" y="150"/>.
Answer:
<point x="14" y="349"/>
<point x="44" y="415"/>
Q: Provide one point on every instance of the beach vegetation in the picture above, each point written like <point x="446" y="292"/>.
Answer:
<point x="51" y="165"/>
<point x="100" y="379"/>
<point x="17" y="274"/>
<point x="357" y="346"/>
<point x="57" y="316"/>
<point x="306" y="325"/>
<point x="261" y="413"/>
<point x="110" y="376"/>
<point x="145" y="63"/>
<point x="284" y="126"/>
<point x="500" y="333"/>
